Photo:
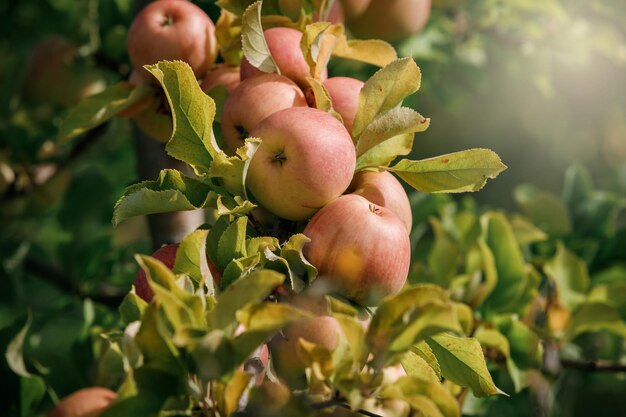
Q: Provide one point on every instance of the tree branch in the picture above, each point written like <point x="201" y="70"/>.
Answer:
<point x="593" y="366"/>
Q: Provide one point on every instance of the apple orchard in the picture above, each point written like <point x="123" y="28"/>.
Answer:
<point x="291" y="297"/>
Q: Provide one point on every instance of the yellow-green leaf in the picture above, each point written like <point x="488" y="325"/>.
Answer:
<point x="253" y="41"/>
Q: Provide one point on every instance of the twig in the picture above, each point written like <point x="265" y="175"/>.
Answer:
<point x="593" y="366"/>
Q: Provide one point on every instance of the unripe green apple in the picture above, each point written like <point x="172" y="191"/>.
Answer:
<point x="323" y="330"/>
<point x="360" y="248"/>
<point x="253" y="100"/>
<point x="383" y="189"/>
<point x="221" y="74"/>
<point x="172" y="30"/>
<point x="167" y="255"/>
<point x="390" y="20"/>
<point x="344" y="93"/>
<point x="306" y="159"/>
<point x="87" y="402"/>
<point x="284" y="45"/>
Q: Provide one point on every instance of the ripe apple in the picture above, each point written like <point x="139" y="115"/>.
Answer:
<point x="335" y="14"/>
<point x="344" y="93"/>
<point x="167" y="255"/>
<point x="390" y="20"/>
<point x="253" y="100"/>
<point x="87" y="402"/>
<point x="361" y="248"/>
<point x="284" y="45"/>
<point x="323" y="330"/>
<point x="172" y="30"/>
<point x="221" y="74"/>
<point x="306" y="160"/>
<point x="383" y="189"/>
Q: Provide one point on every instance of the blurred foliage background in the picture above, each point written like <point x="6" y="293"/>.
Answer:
<point x="542" y="83"/>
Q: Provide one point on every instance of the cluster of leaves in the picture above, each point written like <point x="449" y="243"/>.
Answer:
<point x="551" y="278"/>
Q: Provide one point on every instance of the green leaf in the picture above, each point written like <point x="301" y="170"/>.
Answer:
<point x="191" y="259"/>
<point x="452" y="173"/>
<point x="253" y="41"/>
<point x="595" y="317"/>
<point x="155" y="343"/>
<point x="298" y="265"/>
<point x="99" y="108"/>
<point x="462" y="362"/>
<point x="322" y="98"/>
<point x="525" y="232"/>
<point x="570" y="275"/>
<point x="14" y="354"/>
<point x="232" y="243"/>
<point x="526" y="346"/>
<point x="384" y="153"/>
<point x="251" y="288"/>
<point x="371" y="51"/>
<point x="389" y="124"/>
<point x="193" y="113"/>
<point x="355" y="336"/>
<point x="238" y="268"/>
<point x="412" y="387"/>
<point x="578" y="187"/>
<point x="233" y="206"/>
<point x="416" y="366"/>
<point x="173" y="191"/>
<point x="385" y="90"/>
<point x="131" y="308"/>
<point x="443" y="258"/>
<point x="544" y="209"/>
<point x="235" y="390"/>
<point x="425" y="352"/>
<point x="231" y="171"/>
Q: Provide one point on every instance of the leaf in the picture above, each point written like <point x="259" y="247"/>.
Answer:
<point x="298" y="264"/>
<point x="544" y="209"/>
<point x="384" y="153"/>
<point x="322" y="98"/>
<point x="14" y="354"/>
<point x="452" y="173"/>
<point x="171" y="192"/>
<point x="443" y="257"/>
<point x="462" y="362"/>
<point x="232" y="243"/>
<point x="526" y="346"/>
<point x="318" y="42"/>
<point x="231" y="171"/>
<point x="131" y="308"/>
<point x="371" y="51"/>
<point x="228" y="36"/>
<point x="193" y="113"/>
<point x="578" y="187"/>
<point x="251" y="288"/>
<point x="384" y="91"/>
<point x="389" y="124"/>
<point x="570" y="275"/>
<point x="355" y="335"/>
<point x="99" y="108"/>
<point x="155" y="343"/>
<point x="235" y="390"/>
<point x="525" y="232"/>
<point x="191" y="259"/>
<point x="416" y="366"/>
<point x="412" y="387"/>
<point x="253" y="41"/>
<point x="425" y="352"/>
<point x="595" y="317"/>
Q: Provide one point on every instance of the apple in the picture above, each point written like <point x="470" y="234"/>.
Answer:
<point x="154" y="117"/>
<point x="87" y="402"/>
<point x="284" y="45"/>
<point x="344" y="93"/>
<point x="167" y="255"/>
<point x="253" y="100"/>
<point x="221" y="74"/>
<point x="390" y="20"/>
<point x="360" y="248"/>
<point x="306" y="159"/>
<point x="172" y="30"/>
<point x="323" y="330"/>
<point x="383" y="189"/>
<point x="335" y="14"/>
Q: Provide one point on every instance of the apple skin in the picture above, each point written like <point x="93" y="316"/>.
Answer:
<point x="87" y="402"/>
<point x="252" y="101"/>
<point x="306" y="160"/>
<point x="383" y="189"/>
<point x="360" y="248"/>
<point x="172" y="30"/>
<point x="167" y="255"/>
<point x="344" y="93"/>
<point x="221" y="74"/>
<point x="284" y="45"/>
<point x="323" y="330"/>
<point x="390" y="20"/>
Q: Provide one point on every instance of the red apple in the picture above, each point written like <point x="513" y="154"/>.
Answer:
<point x="344" y="93"/>
<point x="87" y="402"/>
<point x="172" y="30"/>
<point x="383" y="189"/>
<point x="361" y="248"/>
<point x="306" y="160"/>
<point x="390" y="20"/>
<point x="167" y="255"/>
<point x="335" y="14"/>
<point x="284" y="45"/>
<point x="323" y="330"/>
<point x="252" y="101"/>
<point x="221" y="74"/>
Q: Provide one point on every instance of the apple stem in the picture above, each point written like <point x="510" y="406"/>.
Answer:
<point x="280" y="157"/>
<point x="169" y="21"/>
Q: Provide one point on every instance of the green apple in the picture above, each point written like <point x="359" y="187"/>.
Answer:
<point x="172" y="30"/>
<point x="87" y="402"/>
<point x="253" y="100"/>
<point x="360" y="248"/>
<point x="306" y="160"/>
<point x="383" y="189"/>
